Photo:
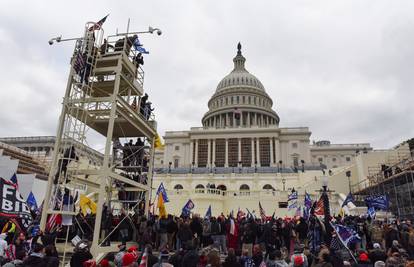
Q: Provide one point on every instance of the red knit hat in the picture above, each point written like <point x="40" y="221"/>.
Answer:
<point x="128" y="258"/>
<point x="363" y="257"/>
<point x="298" y="260"/>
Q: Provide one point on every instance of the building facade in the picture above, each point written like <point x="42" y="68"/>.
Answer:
<point x="241" y="150"/>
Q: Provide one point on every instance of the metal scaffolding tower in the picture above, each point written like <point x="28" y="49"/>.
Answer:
<point x="103" y="93"/>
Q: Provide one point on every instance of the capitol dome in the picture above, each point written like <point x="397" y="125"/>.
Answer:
<point x="240" y="100"/>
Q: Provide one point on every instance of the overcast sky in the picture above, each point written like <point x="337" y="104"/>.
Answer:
<point x="343" y="68"/>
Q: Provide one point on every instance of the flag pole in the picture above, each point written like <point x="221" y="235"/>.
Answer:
<point x="342" y="242"/>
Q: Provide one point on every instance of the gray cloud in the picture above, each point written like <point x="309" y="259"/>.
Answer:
<point x="343" y="68"/>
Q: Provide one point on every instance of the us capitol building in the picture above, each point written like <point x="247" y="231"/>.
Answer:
<point x="241" y="156"/>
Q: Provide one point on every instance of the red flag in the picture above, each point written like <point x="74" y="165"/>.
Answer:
<point x="143" y="262"/>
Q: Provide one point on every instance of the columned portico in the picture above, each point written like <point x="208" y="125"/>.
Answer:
<point x="226" y="154"/>
<point x="196" y="153"/>
<point x="208" y="153"/>
<point x="258" y="151"/>
<point x="271" y="152"/>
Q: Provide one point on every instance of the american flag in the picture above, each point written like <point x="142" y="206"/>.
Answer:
<point x="98" y="25"/>
<point x="320" y="208"/>
<point x="79" y="63"/>
<point x="262" y="212"/>
<point x="55" y="220"/>
<point x="335" y="243"/>
<point x="143" y="262"/>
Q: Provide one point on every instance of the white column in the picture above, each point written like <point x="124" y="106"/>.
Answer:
<point x="226" y="154"/>
<point x="191" y="151"/>
<point x="208" y="152"/>
<point x="271" y="151"/>
<point x="258" y="151"/>
<point x="214" y="153"/>
<point x="196" y="154"/>
<point x="234" y="119"/>
<point x="239" y="152"/>
<point x="248" y="119"/>
<point x="277" y="151"/>
<point x="227" y="120"/>
<point x="252" y="152"/>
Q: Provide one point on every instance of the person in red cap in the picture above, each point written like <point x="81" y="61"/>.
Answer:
<point x="129" y="260"/>
<point x="363" y="260"/>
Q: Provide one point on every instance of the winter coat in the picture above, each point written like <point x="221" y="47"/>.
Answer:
<point x="34" y="260"/>
<point x="190" y="259"/>
<point x="79" y="257"/>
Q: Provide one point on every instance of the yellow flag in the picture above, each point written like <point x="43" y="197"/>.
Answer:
<point x="161" y="207"/>
<point x="342" y="212"/>
<point x="158" y="143"/>
<point x="86" y="203"/>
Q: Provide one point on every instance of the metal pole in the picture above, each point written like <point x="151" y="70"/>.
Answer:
<point x="105" y="171"/>
<point x="56" y="152"/>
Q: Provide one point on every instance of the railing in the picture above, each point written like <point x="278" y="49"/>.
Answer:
<point x="225" y="193"/>
<point x="237" y="170"/>
<point x="359" y="145"/>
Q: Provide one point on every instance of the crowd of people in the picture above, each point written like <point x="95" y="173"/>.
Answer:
<point x="224" y="241"/>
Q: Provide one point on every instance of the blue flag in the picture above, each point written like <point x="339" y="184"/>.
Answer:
<point x="208" y="213"/>
<point x="161" y="190"/>
<point x="380" y="202"/>
<point x="308" y="200"/>
<point x="346" y="234"/>
<point x="305" y="213"/>
<point x="293" y="196"/>
<point x="349" y="198"/>
<point x="293" y="205"/>
<point x="31" y="202"/>
<point x="138" y="46"/>
<point x="13" y="179"/>
<point x="371" y="212"/>
<point x="187" y="208"/>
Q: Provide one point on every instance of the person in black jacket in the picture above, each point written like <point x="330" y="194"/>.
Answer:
<point x="81" y="255"/>
<point x="51" y="256"/>
<point x="377" y="254"/>
<point x="185" y="234"/>
<point x="68" y="156"/>
<point x="197" y="229"/>
<point x="302" y="230"/>
<point x="191" y="257"/>
<point x="171" y="230"/>
<point x="35" y="258"/>
<point x="231" y="259"/>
